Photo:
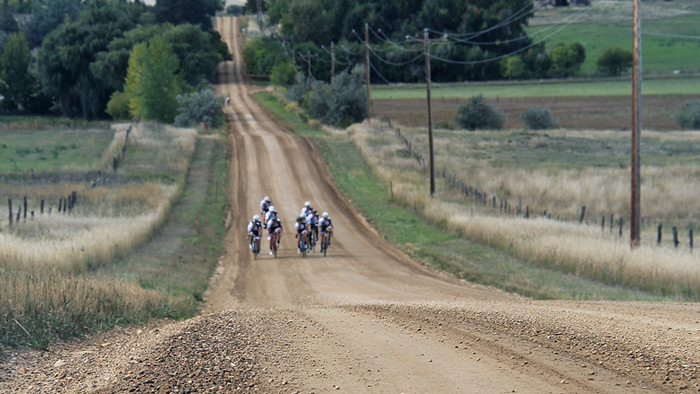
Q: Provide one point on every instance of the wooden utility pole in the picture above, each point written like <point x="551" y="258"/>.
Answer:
<point x="367" y="68"/>
<point x="332" y="60"/>
<point x="635" y="217"/>
<point x="308" y="68"/>
<point x="260" y="23"/>
<point x="430" y="112"/>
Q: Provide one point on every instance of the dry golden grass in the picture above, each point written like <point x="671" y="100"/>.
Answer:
<point x="37" y="306"/>
<point x="121" y="219"/>
<point x="570" y="247"/>
<point x="108" y="220"/>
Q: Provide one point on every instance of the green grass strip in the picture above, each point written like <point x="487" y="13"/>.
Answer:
<point x="583" y="88"/>
<point x="445" y="251"/>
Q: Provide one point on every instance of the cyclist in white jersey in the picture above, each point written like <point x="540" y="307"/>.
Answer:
<point x="302" y="227"/>
<point x="254" y="232"/>
<point x="326" y="225"/>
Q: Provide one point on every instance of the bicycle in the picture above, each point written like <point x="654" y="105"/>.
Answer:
<point x="324" y="245"/>
<point x="254" y="248"/>
<point x="313" y="240"/>
<point x="274" y="244"/>
<point x="303" y="246"/>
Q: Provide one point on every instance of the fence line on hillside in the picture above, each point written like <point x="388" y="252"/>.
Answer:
<point x="505" y="207"/>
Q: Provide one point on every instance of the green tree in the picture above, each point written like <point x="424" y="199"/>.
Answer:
<point x="151" y="83"/>
<point x="514" y="67"/>
<point x="283" y="74"/>
<point x="307" y="21"/>
<point x="44" y="19"/>
<point x="567" y="59"/>
<point x="195" y="12"/>
<point x="118" y="106"/>
<point x="66" y="55"/>
<point x="8" y="24"/>
<point x="614" y="61"/>
<point x="17" y="82"/>
<point x="261" y="54"/>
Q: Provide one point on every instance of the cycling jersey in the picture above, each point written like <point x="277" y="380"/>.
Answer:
<point x="325" y="223"/>
<point x="273" y="224"/>
<point x="265" y="206"/>
<point x="301" y="227"/>
<point x="254" y="227"/>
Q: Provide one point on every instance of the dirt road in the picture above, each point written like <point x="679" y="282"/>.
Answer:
<point x="364" y="319"/>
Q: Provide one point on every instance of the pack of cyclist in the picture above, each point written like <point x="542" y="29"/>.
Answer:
<point x="308" y="224"/>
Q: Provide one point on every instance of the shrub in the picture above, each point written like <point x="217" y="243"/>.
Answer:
<point x="297" y="91"/>
<point x="262" y="54"/>
<point x="614" y="61"/>
<point x="689" y="117"/>
<point x="118" y="106"/>
<point x="200" y="107"/>
<point x="283" y="74"/>
<point x="342" y="102"/>
<point x="539" y="119"/>
<point x="478" y="114"/>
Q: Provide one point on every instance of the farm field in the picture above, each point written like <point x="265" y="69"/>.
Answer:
<point x="669" y="39"/>
<point x="585" y="113"/>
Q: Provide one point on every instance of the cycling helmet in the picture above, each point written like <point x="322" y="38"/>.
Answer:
<point x="314" y="211"/>
<point x="300" y="218"/>
<point x="267" y="199"/>
<point x="272" y="209"/>
<point x="256" y="217"/>
<point x="325" y="214"/>
<point x="307" y="204"/>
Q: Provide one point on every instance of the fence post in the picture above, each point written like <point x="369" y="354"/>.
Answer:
<point x="74" y="199"/>
<point x="602" y="223"/>
<point x="19" y="214"/>
<point x="612" y="221"/>
<point x="690" y="234"/>
<point x="621" y="227"/>
<point x="9" y="203"/>
<point x="675" y="237"/>
<point x="527" y="212"/>
<point x="42" y="207"/>
<point x="658" y="235"/>
<point x="25" y="208"/>
<point x="583" y="213"/>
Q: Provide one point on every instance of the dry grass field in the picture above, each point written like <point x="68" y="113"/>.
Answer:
<point x="558" y="184"/>
<point x="46" y="259"/>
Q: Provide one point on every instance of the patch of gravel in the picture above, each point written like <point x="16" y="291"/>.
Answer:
<point x="237" y="352"/>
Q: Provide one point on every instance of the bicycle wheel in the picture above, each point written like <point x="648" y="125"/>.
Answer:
<point x="324" y="246"/>
<point x="274" y="246"/>
<point x="302" y="246"/>
<point x="255" y="250"/>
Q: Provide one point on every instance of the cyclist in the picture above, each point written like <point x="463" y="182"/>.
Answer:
<point x="274" y="226"/>
<point x="302" y="227"/>
<point x="307" y="209"/>
<point x="313" y="219"/>
<point x="254" y="230"/>
<point x="270" y="212"/>
<point x="265" y="205"/>
<point x="326" y="225"/>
